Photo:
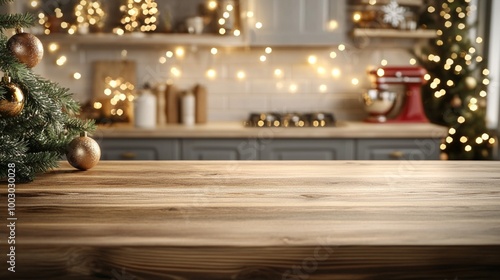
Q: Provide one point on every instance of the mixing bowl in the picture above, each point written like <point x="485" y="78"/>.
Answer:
<point x="378" y="103"/>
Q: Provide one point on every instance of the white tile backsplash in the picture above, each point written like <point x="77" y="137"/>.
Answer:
<point x="300" y="87"/>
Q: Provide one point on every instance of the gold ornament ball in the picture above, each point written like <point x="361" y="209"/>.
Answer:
<point x="12" y="103"/>
<point x="471" y="82"/>
<point x="27" y="48"/>
<point x="83" y="152"/>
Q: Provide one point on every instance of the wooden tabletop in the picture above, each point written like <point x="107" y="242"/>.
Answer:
<point x="261" y="220"/>
<point x="238" y="130"/>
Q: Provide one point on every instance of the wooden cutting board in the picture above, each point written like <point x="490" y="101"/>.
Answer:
<point x="125" y="70"/>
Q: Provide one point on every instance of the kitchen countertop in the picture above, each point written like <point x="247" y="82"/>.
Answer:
<point x="237" y="130"/>
<point x="260" y="220"/>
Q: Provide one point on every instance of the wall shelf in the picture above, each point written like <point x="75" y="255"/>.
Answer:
<point x="130" y="40"/>
<point x="394" y="33"/>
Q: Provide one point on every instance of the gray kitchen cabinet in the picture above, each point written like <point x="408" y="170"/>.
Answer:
<point x="307" y="149"/>
<point x="397" y="149"/>
<point x="140" y="149"/>
<point x="219" y="149"/>
<point x="296" y="22"/>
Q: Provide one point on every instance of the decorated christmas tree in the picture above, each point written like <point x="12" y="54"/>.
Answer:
<point x="38" y="118"/>
<point x="455" y="95"/>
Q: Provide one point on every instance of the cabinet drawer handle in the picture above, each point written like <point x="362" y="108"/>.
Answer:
<point x="128" y="155"/>
<point x="397" y="155"/>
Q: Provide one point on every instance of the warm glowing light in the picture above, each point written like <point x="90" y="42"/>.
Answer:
<point x="278" y="72"/>
<point x="241" y="75"/>
<point x="431" y="9"/>
<point x="229" y="7"/>
<point x="479" y="40"/>
<point x="176" y="72"/>
<point x="169" y="54"/>
<point x="461" y="120"/>
<point x="321" y="70"/>
<point x="236" y="32"/>
<point x="312" y="59"/>
<point x="53" y="47"/>
<point x="214" y="51"/>
<point x="77" y="76"/>
<point x="258" y="25"/>
<point x="442" y="147"/>
<point x="336" y="72"/>
<point x="486" y="72"/>
<point x="333" y="24"/>
<point x="333" y="55"/>
<point x="162" y="60"/>
<point x="341" y="47"/>
<point x="427" y="77"/>
<point x="323" y="88"/>
<point x="486" y="82"/>
<point x="452" y="131"/>
<point x="479" y="140"/>
<point x="211" y="74"/>
<point x="249" y="14"/>
<point x="449" y="140"/>
<point x="356" y="16"/>
<point x="97" y="105"/>
<point x="468" y="148"/>
<point x="483" y="93"/>
<point x="380" y="72"/>
<point x="413" y="61"/>
<point x="212" y="5"/>
<point x="383" y="62"/>
<point x="293" y="88"/>
<point x="34" y="4"/>
<point x="180" y="52"/>
<point x="61" y="60"/>
<point x="491" y="141"/>
<point x="485" y="136"/>
<point x="464" y="139"/>
<point x="262" y="58"/>
<point x="355" y="81"/>
<point x="268" y="50"/>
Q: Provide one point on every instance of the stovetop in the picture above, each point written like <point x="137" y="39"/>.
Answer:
<point x="290" y="119"/>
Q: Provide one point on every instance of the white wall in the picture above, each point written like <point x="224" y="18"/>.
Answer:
<point x="232" y="99"/>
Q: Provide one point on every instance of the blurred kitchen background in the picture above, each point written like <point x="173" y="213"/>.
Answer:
<point x="247" y="56"/>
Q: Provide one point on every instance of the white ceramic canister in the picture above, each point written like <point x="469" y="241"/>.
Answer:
<point x="188" y="108"/>
<point x="145" y="109"/>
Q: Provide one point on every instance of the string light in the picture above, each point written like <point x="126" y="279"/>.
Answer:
<point x="139" y="15"/>
<point x="77" y="76"/>
<point x="312" y="59"/>
<point x="214" y="51"/>
<point x="89" y="12"/>
<point x="211" y="73"/>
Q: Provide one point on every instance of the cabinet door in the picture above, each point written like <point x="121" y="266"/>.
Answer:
<point x="296" y="22"/>
<point x="307" y="149"/>
<point x="398" y="149"/>
<point x="140" y="149"/>
<point x="219" y="149"/>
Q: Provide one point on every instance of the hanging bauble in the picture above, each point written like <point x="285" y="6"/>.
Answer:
<point x="456" y="102"/>
<point x="83" y="152"/>
<point x="12" y="102"/>
<point x="470" y="82"/>
<point x="26" y="47"/>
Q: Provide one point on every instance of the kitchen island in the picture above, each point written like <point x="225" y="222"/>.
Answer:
<point x="234" y="141"/>
<point x="259" y="220"/>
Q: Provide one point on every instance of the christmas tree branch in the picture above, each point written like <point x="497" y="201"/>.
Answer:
<point x="16" y="20"/>
<point x="3" y="2"/>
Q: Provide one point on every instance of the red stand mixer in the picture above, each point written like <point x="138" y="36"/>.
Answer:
<point x="412" y="77"/>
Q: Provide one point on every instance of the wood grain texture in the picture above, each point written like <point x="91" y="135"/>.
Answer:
<point x="261" y="220"/>
<point x="237" y="129"/>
